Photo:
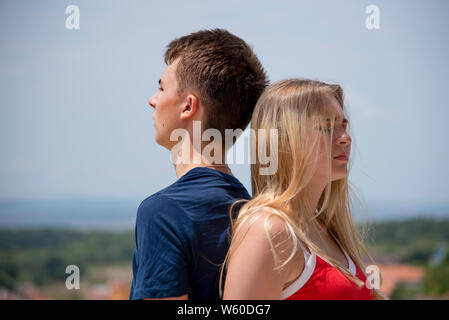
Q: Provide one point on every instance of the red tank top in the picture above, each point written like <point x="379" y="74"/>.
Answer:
<point x="321" y="281"/>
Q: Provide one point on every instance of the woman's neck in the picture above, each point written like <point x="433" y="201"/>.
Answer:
<point x="313" y="194"/>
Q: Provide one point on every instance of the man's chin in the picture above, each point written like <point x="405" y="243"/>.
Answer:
<point x="161" y="142"/>
<point x="158" y="141"/>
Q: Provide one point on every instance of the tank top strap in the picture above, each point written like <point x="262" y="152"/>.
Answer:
<point x="351" y="264"/>
<point x="307" y="252"/>
<point x="309" y="268"/>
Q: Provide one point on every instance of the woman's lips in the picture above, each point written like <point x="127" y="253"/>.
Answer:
<point x="341" y="157"/>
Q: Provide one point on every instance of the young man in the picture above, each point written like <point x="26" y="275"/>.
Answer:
<point x="212" y="81"/>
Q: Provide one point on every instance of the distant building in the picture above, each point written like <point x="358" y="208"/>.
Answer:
<point x="399" y="273"/>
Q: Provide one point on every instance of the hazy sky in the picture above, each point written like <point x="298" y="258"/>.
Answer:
<point x="74" y="117"/>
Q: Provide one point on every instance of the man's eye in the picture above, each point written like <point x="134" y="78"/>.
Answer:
<point x="160" y="89"/>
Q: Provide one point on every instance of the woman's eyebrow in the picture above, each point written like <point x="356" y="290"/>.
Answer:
<point x="335" y="119"/>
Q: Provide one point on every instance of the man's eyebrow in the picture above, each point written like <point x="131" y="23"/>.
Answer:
<point x="160" y="81"/>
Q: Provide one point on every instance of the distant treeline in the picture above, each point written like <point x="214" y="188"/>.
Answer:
<point x="409" y="241"/>
<point x="40" y="256"/>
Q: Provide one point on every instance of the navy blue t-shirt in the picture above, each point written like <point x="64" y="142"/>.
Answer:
<point x="182" y="236"/>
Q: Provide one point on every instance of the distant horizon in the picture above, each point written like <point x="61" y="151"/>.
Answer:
<point x="114" y="214"/>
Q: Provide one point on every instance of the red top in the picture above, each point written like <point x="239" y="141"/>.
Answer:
<point x="321" y="281"/>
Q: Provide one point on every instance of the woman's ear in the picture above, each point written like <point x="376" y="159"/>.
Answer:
<point x="190" y="108"/>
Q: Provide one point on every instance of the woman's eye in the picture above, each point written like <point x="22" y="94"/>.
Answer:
<point x="326" y="130"/>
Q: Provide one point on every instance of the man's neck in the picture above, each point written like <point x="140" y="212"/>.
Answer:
<point x="189" y="158"/>
<point x="182" y="169"/>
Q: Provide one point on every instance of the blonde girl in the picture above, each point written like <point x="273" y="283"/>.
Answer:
<point x="296" y="239"/>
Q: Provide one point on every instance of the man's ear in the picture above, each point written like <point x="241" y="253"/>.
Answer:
<point x="190" y="108"/>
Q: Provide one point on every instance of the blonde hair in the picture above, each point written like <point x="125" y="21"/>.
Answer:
<point x="298" y="109"/>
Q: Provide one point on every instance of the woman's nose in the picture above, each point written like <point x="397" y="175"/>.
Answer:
<point x="343" y="138"/>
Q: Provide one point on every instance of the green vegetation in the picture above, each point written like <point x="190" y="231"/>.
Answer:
<point x="436" y="278"/>
<point x="414" y="242"/>
<point x="410" y="241"/>
<point x="40" y="256"/>
<point x="435" y="284"/>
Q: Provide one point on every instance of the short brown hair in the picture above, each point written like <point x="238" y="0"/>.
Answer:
<point x="225" y="73"/>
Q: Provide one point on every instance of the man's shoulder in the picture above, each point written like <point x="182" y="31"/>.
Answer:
<point x="159" y="206"/>
<point x="204" y="179"/>
<point x="189" y="197"/>
<point x="155" y="199"/>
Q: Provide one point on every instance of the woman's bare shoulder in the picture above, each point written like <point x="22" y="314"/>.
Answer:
<point x="267" y="222"/>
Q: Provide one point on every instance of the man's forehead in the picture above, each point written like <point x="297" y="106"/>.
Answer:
<point x="169" y="73"/>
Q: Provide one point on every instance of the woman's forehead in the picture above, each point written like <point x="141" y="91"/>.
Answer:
<point x="332" y="111"/>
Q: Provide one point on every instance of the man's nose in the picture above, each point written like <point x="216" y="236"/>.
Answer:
<point x="152" y="102"/>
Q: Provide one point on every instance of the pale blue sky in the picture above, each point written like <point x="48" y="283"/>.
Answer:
<point x="75" y="122"/>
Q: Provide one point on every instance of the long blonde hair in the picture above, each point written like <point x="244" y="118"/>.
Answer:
<point x="297" y="108"/>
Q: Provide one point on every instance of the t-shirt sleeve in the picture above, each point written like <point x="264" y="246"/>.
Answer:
<point x="163" y="254"/>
